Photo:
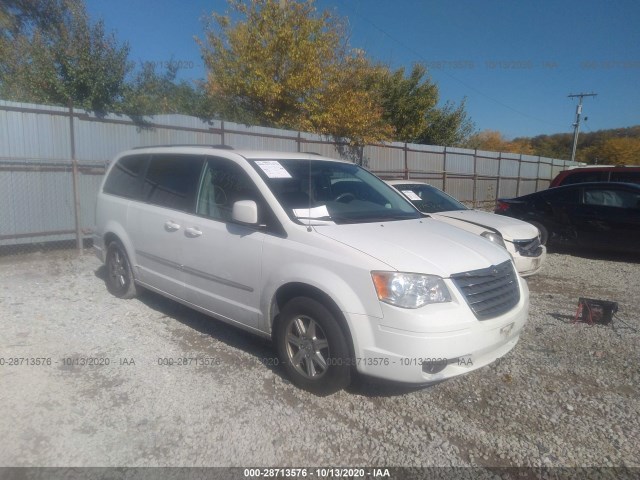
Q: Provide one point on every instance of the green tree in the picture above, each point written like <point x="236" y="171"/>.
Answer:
<point x="152" y="93"/>
<point x="23" y="16"/>
<point x="447" y="126"/>
<point x="406" y="101"/>
<point x="51" y="53"/>
<point x="284" y="64"/>
<point x="409" y="105"/>
<point x="553" y="146"/>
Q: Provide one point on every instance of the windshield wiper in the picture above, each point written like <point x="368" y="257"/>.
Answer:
<point x="324" y="219"/>
<point x="370" y="219"/>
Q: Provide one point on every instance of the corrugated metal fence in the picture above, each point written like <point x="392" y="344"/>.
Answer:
<point x="52" y="160"/>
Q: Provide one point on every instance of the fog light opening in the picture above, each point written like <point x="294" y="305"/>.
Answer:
<point x="434" y="366"/>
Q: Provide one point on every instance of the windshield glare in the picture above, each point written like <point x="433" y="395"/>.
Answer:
<point x="429" y="199"/>
<point x="325" y="191"/>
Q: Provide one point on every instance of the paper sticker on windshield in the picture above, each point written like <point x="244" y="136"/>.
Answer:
<point x="411" y="195"/>
<point x="315" y="212"/>
<point x="273" y="169"/>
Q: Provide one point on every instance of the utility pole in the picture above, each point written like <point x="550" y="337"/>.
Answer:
<point x="576" y="126"/>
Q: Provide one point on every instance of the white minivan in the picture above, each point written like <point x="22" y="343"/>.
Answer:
<point x="340" y="270"/>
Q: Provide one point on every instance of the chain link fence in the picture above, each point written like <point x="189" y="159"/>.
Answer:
<point x="52" y="160"/>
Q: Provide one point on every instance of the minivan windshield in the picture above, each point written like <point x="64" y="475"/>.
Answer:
<point x="321" y="191"/>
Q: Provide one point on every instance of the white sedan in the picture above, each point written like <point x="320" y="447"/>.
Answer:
<point x="521" y="239"/>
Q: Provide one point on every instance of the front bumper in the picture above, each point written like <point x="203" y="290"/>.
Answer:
<point x="528" y="265"/>
<point x="435" y="342"/>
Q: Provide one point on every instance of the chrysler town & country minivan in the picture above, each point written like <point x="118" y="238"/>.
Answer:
<point x="340" y="270"/>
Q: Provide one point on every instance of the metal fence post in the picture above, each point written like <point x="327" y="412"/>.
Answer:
<point x="444" y="171"/>
<point x="519" y="173"/>
<point x="475" y="178"/>
<point x="499" y="175"/>
<point x="74" y="174"/>
<point x="406" y="162"/>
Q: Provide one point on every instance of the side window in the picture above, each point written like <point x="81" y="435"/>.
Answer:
<point x="224" y="183"/>
<point x="172" y="181"/>
<point x="564" y="195"/>
<point x="124" y="177"/>
<point x="611" y="198"/>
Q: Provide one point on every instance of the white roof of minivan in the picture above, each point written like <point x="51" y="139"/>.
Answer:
<point x="266" y="154"/>
<point x="246" y="153"/>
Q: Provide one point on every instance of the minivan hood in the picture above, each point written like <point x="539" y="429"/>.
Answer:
<point x="510" y="228"/>
<point x="422" y="245"/>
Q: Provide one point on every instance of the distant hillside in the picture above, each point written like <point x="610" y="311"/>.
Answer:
<point x="615" y="146"/>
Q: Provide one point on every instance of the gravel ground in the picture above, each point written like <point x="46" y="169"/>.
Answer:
<point x="566" y="396"/>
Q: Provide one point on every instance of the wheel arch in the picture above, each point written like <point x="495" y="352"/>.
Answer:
<point x="292" y="290"/>
<point x="545" y="232"/>
<point x="114" y="231"/>
<point x="119" y="276"/>
<point x="111" y="237"/>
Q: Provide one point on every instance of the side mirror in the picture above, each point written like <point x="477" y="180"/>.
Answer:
<point x="245" y="211"/>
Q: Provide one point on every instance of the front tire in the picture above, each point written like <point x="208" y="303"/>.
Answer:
<point x="312" y="347"/>
<point x="120" y="281"/>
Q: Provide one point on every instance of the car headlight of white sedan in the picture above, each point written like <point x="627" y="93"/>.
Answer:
<point x="494" y="237"/>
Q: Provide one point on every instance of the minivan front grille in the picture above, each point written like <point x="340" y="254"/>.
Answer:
<point x="491" y="291"/>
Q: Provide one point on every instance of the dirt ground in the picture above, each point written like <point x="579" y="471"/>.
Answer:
<point x="86" y="381"/>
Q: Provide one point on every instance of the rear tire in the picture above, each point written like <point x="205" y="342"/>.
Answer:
<point x="312" y="347"/>
<point x="120" y="281"/>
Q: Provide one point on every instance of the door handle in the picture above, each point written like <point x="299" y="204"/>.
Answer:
<point x="192" y="232"/>
<point x="171" y="226"/>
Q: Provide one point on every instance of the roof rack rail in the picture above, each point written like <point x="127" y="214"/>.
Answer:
<point x="221" y="146"/>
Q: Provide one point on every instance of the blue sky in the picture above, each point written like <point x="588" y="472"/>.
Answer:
<point x="514" y="61"/>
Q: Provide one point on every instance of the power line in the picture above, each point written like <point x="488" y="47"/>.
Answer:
<point x="453" y="77"/>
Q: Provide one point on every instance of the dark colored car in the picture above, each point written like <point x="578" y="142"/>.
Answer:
<point x="598" y="173"/>
<point x="592" y="215"/>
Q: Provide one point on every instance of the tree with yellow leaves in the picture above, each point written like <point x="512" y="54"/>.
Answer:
<point x="616" y="151"/>
<point x="283" y="64"/>
<point x="493" y="141"/>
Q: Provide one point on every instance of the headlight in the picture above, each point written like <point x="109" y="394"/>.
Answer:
<point x="410" y="290"/>
<point x="494" y="237"/>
